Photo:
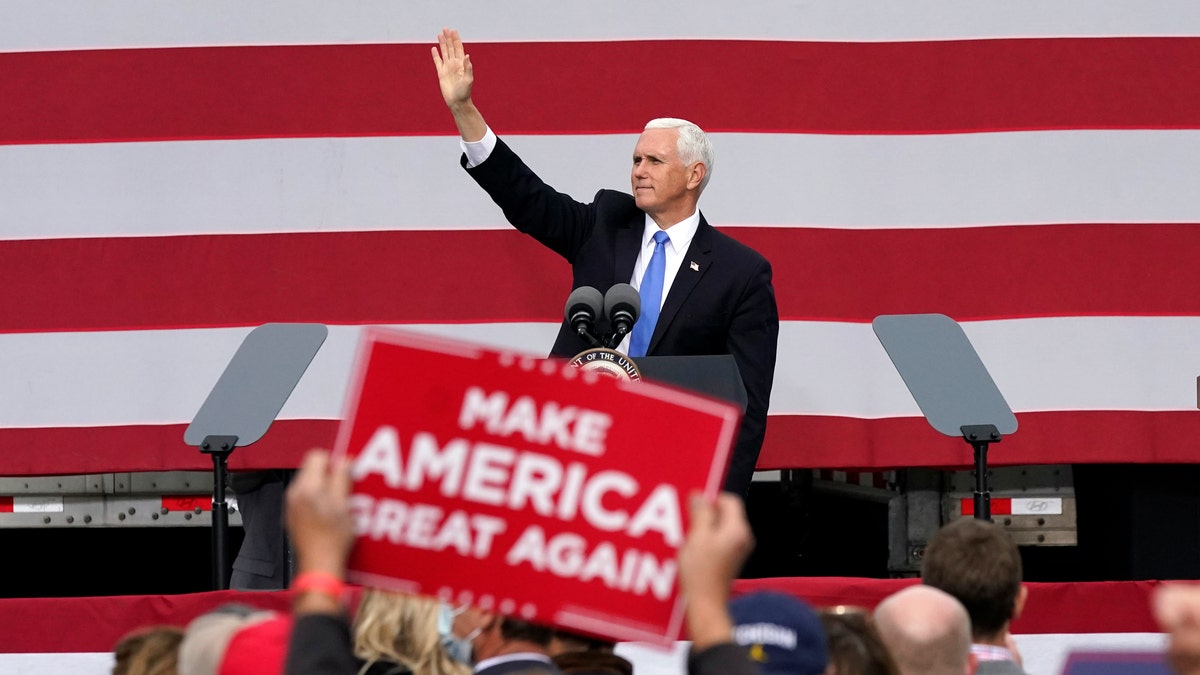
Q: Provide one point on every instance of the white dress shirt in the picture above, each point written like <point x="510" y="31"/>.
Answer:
<point x="681" y="234"/>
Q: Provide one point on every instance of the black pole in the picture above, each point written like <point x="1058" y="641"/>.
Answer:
<point x="979" y="436"/>
<point x="219" y="447"/>
<point x="220" y="524"/>
<point x="983" y="497"/>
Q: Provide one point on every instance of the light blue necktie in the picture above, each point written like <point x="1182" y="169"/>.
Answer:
<point x="651" y="290"/>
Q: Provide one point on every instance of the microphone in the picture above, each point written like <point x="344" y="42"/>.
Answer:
<point x="623" y="305"/>
<point x="583" y="306"/>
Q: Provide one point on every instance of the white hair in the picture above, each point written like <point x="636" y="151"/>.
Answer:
<point x="693" y="144"/>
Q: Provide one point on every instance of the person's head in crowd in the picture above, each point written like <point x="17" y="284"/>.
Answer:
<point x="408" y="630"/>
<point x="492" y="634"/>
<point x="563" y="641"/>
<point x="235" y="640"/>
<point x="782" y="633"/>
<point x="979" y="564"/>
<point x="855" y="647"/>
<point x="592" y="662"/>
<point x="153" y="650"/>
<point x="583" y="655"/>
<point x="926" y="631"/>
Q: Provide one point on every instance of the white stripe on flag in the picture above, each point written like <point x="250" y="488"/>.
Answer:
<point x="835" y="181"/>
<point x="839" y="369"/>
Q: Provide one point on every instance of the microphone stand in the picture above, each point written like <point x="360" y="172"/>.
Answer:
<point x="586" y="334"/>
<point x="616" y="337"/>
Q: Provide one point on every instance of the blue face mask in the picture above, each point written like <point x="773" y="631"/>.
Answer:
<point x="459" y="649"/>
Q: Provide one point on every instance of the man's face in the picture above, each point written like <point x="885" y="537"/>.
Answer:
<point x="659" y="177"/>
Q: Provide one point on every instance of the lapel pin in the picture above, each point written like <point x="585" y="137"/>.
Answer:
<point x="695" y="266"/>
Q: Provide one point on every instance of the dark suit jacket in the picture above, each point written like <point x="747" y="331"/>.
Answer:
<point x="728" y="658"/>
<point x="320" y="644"/>
<point x="721" y="302"/>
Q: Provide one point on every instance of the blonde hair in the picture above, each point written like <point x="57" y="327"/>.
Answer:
<point x="404" y="629"/>
<point x="153" y="650"/>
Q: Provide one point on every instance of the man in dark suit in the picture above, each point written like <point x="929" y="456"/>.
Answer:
<point x="503" y="645"/>
<point x="702" y="291"/>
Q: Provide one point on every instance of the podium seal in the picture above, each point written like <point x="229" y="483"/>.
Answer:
<point x="608" y="362"/>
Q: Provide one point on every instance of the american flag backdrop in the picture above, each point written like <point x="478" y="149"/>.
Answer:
<point x="173" y="174"/>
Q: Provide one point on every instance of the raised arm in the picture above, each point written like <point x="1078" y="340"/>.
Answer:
<point x="456" y="76"/>
<point x="1176" y="606"/>
<point x="718" y="542"/>
<point x="322" y="533"/>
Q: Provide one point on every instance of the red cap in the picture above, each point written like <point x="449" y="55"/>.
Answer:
<point x="259" y="648"/>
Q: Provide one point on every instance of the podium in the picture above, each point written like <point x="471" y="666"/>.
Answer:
<point x="716" y="376"/>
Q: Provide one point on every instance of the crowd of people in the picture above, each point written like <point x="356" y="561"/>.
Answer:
<point x="957" y="620"/>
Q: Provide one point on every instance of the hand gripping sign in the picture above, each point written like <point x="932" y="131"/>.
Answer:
<point x="525" y="486"/>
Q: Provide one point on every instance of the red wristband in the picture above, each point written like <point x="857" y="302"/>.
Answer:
<point x="319" y="582"/>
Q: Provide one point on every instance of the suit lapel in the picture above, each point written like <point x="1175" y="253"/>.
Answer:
<point x="694" y="264"/>
<point x="629" y="240"/>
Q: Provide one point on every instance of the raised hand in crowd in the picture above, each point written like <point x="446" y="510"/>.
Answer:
<point x="1177" y="610"/>
<point x="322" y="534"/>
<point x="718" y="542"/>
<point x="319" y="522"/>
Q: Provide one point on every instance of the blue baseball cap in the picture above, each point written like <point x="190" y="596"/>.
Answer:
<point x="783" y="633"/>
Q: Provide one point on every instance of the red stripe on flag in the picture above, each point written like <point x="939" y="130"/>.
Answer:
<point x="1055" y="437"/>
<point x="1052" y="607"/>
<point x="51" y="625"/>
<point x="54" y="625"/>
<point x="494" y="276"/>
<point x="335" y="278"/>
<point x="756" y="86"/>
<point x="6" y="504"/>
<point x="150" y="447"/>
<point x="792" y="442"/>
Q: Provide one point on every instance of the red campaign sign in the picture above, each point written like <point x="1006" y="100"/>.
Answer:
<point x="526" y="486"/>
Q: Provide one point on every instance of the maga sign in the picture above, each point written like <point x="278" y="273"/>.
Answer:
<point x="525" y="486"/>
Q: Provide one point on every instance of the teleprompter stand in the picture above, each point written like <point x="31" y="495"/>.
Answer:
<point x="219" y="447"/>
<point x="950" y="384"/>
<point x="241" y="407"/>
<point x="979" y="436"/>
